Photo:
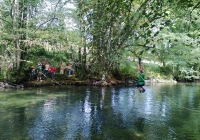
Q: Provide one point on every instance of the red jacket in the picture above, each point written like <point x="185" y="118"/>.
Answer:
<point x="53" y="69"/>
<point x="49" y="69"/>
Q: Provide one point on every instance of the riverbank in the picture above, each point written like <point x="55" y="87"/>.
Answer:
<point x="87" y="82"/>
<point x="50" y="82"/>
<point x="74" y="81"/>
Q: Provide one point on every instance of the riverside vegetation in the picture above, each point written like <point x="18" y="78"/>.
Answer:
<point x="106" y="35"/>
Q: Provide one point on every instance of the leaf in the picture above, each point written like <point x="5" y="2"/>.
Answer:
<point x="141" y="52"/>
<point x="153" y="51"/>
<point x="145" y="24"/>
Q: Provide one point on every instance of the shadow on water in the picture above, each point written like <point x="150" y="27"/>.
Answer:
<point x="92" y="113"/>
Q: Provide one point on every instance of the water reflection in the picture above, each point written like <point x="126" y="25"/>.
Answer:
<point x="162" y="112"/>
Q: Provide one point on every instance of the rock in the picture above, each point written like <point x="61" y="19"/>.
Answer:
<point x="156" y="80"/>
<point x="103" y="83"/>
<point x="112" y="82"/>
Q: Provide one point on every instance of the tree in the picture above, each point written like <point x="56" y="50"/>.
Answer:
<point x="110" y="25"/>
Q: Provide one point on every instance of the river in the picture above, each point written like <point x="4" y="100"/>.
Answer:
<point x="162" y="112"/>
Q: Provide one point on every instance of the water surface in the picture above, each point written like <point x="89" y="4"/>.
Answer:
<point x="163" y="112"/>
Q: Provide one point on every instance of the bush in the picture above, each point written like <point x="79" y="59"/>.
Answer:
<point x="128" y="69"/>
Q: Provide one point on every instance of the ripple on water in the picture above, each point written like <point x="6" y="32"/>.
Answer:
<point x="161" y="112"/>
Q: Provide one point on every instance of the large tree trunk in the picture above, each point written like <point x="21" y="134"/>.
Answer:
<point x="84" y="58"/>
<point x="24" y="14"/>
<point x="15" y="16"/>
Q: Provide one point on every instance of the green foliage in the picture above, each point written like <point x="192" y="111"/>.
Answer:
<point x="128" y="69"/>
<point x="106" y="33"/>
<point x="40" y="54"/>
<point x="167" y="71"/>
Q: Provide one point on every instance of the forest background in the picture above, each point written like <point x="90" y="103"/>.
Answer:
<point x="108" y="34"/>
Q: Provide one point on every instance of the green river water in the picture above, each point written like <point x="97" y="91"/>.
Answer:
<point x="162" y="112"/>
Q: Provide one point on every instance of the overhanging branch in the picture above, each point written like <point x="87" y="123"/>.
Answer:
<point x="45" y="23"/>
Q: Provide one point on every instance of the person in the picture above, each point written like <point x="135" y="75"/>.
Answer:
<point x="43" y="66"/>
<point x="140" y="66"/>
<point x="141" y="77"/>
<point x="103" y="77"/>
<point x="53" y="71"/>
<point x="39" y="68"/>
<point x="62" y="68"/>
<point x="88" y="65"/>
<point x="32" y="73"/>
<point x="70" y="69"/>
<point x="46" y="69"/>
<point x="49" y="72"/>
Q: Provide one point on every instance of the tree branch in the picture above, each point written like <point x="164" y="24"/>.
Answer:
<point x="57" y="4"/>
<point x="45" y="23"/>
<point x="196" y="6"/>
